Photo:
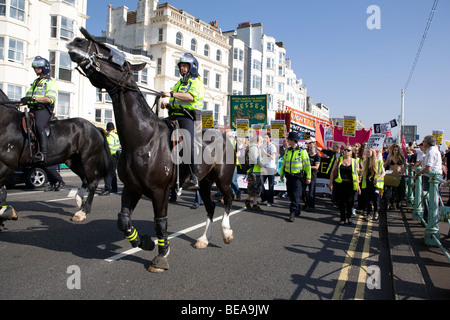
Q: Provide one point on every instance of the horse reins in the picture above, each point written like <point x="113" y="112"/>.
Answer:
<point x="92" y="62"/>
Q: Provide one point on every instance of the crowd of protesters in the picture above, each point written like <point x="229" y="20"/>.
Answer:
<point x="356" y="173"/>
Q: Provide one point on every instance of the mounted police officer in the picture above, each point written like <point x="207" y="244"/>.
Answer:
<point x="296" y="167"/>
<point x="41" y="98"/>
<point x="186" y="100"/>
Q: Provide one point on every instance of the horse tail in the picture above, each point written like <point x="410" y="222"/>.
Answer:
<point x="105" y="164"/>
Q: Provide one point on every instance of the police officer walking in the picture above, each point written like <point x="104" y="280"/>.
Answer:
<point x="114" y="147"/>
<point x="296" y="166"/>
<point x="186" y="100"/>
<point x="41" y="98"/>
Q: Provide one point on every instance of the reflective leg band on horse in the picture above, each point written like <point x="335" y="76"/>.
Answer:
<point x="161" y="233"/>
<point x="133" y="237"/>
<point x="124" y="225"/>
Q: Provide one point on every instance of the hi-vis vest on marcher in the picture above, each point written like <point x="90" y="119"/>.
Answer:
<point x="294" y="161"/>
<point x="195" y="87"/>
<point x="380" y="183"/>
<point x="330" y="165"/>
<point x="114" y="142"/>
<point x="45" y="87"/>
<point x="354" y="173"/>
<point x="255" y="168"/>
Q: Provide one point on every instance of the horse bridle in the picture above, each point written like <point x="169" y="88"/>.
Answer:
<point x="92" y="61"/>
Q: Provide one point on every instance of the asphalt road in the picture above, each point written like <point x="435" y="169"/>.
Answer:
<point x="46" y="256"/>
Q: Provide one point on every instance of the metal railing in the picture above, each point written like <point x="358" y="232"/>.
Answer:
<point x="431" y="199"/>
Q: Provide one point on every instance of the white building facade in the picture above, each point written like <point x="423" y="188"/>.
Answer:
<point x="244" y="61"/>
<point x="30" y="28"/>
<point x="169" y="32"/>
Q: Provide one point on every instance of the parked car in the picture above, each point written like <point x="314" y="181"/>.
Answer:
<point x="33" y="177"/>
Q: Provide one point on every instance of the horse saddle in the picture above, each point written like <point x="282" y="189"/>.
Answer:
<point x="31" y="126"/>
<point x="173" y="125"/>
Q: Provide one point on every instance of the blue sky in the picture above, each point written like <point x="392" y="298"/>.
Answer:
<point x="348" y="67"/>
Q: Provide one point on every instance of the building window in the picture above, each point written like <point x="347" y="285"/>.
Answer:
<point x="103" y="115"/>
<point x="63" y="105"/>
<point x="237" y="75"/>
<point x="216" y="111"/>
<point x="206" y="50"/>
<point x="256" y="64"/>
<point x="14" y="92"/>
<point x="270" y="46"/>
<point x="160" y="35"/>
<point x="177" y="69"/>
<point x="144" y="76"/>
<point x="17" y="9"/>
<point x="2" y="7"/>
<point x="72" y="2"/>
<point x="256" y="82"/>
<point x="179" y="39"/>
<point x="205" y="77"/>
<point x="2" y="48"/>
<point x="219" y="55"/>
<point x="238" y="54"/>
<point x="269" y="81"/>
<point x="15" y="51"/>
<point x="61" y="27"/>
<point x="102" y="97"/>
<point x="65" y="67"/>
<point x="62" y="69"/>
<point x="159" y="66"/>
<point x="218" y="78"/>
<point x="193" y="45"/>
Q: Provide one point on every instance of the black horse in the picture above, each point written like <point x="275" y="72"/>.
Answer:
<point x="76" y="142"/>
<point x="146" y="166"/>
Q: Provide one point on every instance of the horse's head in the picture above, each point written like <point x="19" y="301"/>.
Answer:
<point x="105" y="66"/>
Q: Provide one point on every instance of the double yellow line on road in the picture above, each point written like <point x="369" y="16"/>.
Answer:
<point x="339" y="291"/>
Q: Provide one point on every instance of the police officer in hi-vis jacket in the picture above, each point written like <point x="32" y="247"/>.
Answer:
<point x="296" y="166"/>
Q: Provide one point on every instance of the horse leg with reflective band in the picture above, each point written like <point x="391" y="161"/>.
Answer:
<point x="160" y="263"/>
<point x="129" y="202"/>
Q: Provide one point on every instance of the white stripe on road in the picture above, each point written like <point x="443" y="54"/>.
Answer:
<point x="173" y="235"/>
<point x="73" y="192"/>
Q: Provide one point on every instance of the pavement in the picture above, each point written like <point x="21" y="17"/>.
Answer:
<point x="419" y="272"/>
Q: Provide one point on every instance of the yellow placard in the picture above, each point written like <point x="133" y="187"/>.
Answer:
<point x="242" y="128"/>
<point x="208" y="119"/>
<point x="349" y="126"/>
<point x="278" y="125"/>
<point x="439" y="135"/>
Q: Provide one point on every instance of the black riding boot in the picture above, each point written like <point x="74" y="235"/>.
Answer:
<point x="43" y="143"/>
<point x="192" y="184"/>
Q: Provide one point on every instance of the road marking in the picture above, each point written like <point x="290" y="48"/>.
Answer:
<point x="22" y="193"/>
<point x="345" y="270"/>
<point x="171" y="236"/>
<point x="360" y="288"/>
<point x="73" y="192"/>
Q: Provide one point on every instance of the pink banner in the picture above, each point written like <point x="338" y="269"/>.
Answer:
<point x="360" y="136"/>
